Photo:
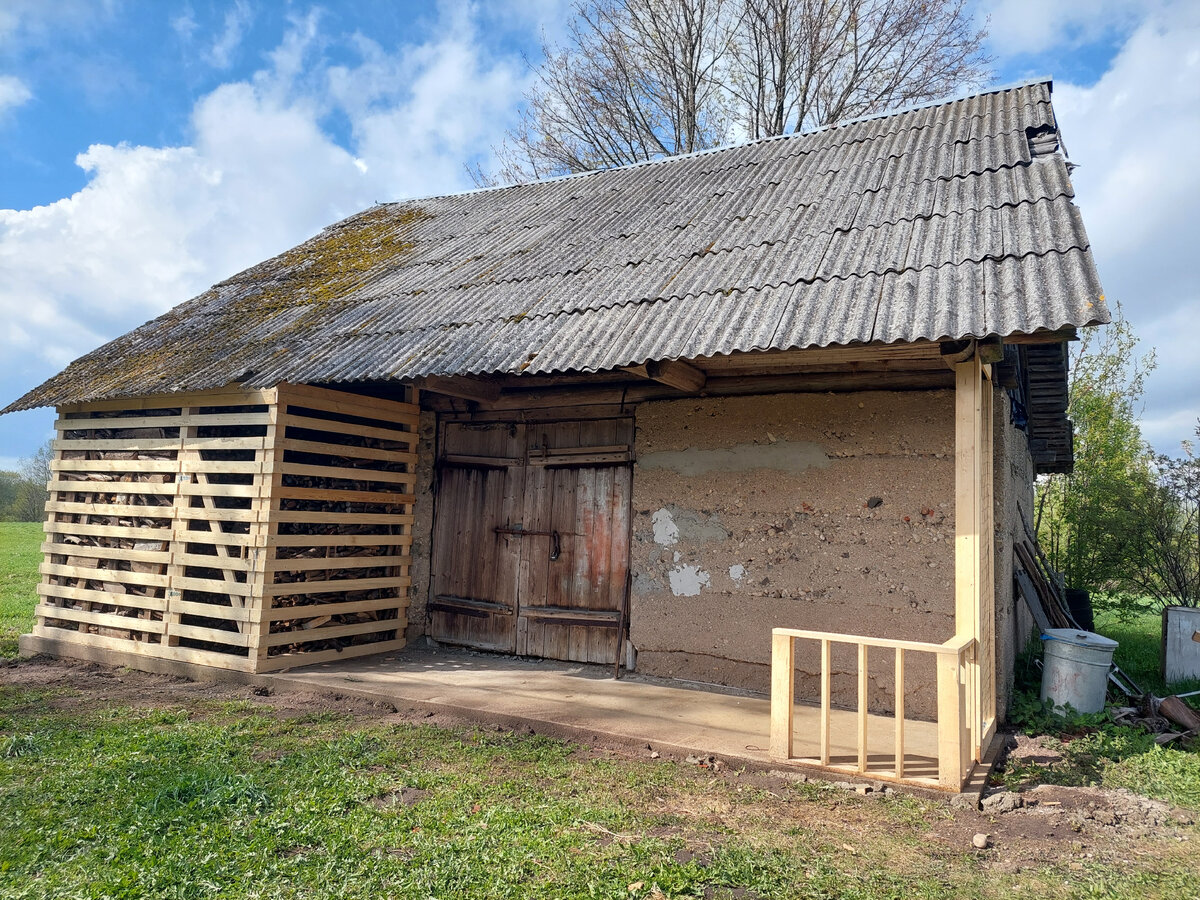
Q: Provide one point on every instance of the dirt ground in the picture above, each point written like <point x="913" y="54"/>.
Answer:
<point x="1077" y="825"/>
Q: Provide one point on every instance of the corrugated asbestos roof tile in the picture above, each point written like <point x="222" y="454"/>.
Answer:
<point x="930" y="223"/>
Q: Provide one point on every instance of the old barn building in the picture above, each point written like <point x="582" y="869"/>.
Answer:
<point x="779" y="405"/>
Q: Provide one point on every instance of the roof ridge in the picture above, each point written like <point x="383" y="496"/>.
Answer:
<point x="966" y="94"/>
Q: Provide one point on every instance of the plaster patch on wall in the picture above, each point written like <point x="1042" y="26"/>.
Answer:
<point x="786" y="456"/>
<point x="737" y="573"/>
<point x="686" y="581"/>
<point x="666" y="532"/>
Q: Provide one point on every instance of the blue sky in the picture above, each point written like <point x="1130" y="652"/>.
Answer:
<point x="149" y="149"/>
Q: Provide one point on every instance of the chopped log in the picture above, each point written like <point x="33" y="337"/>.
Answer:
<point x="1180" y="713"/>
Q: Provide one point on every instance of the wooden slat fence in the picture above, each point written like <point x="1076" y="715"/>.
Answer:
<point x="194" y="526"/>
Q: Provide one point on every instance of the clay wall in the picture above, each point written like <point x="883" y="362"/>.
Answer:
<point x="831" y="512"/>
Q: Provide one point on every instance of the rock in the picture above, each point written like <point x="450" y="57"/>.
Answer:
<point x="980" y="841"/>
<point x="1002" y="802"/>
<point x="654" y="754"/>
<point x="964" y="801"/>
<point x="862" y="789"/>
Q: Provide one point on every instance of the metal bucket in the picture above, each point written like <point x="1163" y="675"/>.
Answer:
<point x="1075" y="668"/>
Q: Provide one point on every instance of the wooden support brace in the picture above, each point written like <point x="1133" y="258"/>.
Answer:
<point x="674" y="373"/>
<point x="783" y="681"/>
<point x="475" y="389"/>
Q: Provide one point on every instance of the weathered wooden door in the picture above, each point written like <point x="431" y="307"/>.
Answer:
<point x="543" y="522"/>
<point x="473" y="590"/>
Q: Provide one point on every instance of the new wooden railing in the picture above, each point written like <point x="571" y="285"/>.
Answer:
<point x="954" y="736"/>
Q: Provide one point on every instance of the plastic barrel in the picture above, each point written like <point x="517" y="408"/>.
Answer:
<point x="1075" y="668"/>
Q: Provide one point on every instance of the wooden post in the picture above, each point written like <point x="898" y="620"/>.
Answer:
<point x="263" y="531"/>
<point x="826" y="660"/>
<point x="862" y="708"/>
<point x="783" y="681"/>
<point x="899" y="712"/>
<point x="951" y="713"/>
<point x="974" y="541"/>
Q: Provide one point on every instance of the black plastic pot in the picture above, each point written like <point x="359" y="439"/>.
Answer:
<point x="1079" y="603"/>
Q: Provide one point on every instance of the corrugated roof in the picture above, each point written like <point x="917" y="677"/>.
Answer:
<point x="935" y="222"/>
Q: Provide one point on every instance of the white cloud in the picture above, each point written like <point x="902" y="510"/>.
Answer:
<point x="1135" y="134"/>
<point x="13" y="93"/>
<point x="237" y="19"/>
<point x="156" y="225"/>
<point x="1033" y="26"/>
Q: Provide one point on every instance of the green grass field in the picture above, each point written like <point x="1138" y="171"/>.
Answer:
<point x="19" y="558"/>
<point x="229" y="799"/>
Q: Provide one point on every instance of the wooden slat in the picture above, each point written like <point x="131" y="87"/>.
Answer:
<point x="838" y="637"/>
<point x="339" y="585"/>
<point x="90" y="573"/>
<point x="326" y="632"/>
<point x="209" y="514"/>
<point x="213" y="635"/>
<point x="102" y="620"/>
<point x="408" y="438"/>
<point x="347" y="495"/>
<point x="192" y="466"/>
<point x="313" y="610"/>
<point x="111" y="487"/>
<point x="202" y="560"/>
<point x="310" y="658"/>
<point x="128" y="422"/>
<point x="348" y="450"/>
<point x="205" y="489"/>
<point x="348" y="474"/>
<point x="341" y="540"/>
<point x="115" y="465"/>
<point x="307" y="563"/>
<point x="115" y="510"/>
<point x="899" y="713"/>
<point x="358" y="405"/>
<point x="343" y="518"/>
<point x="211" y="610"/>
<point x="826" y="684"/>
<point x="129" y="601"/>
<point x="150" y="445"/>
<point x="783" y="700"/>
<point x="211" y="585"/>
<point x="115" y="531"/>
<point x="150" y="556"/>
<point x="230" y="396"/>
<point x="863" y="685"/>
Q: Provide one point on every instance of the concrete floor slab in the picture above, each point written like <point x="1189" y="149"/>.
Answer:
<point x="585" y="701"/>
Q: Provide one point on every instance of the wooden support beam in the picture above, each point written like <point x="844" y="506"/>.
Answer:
<point x="673" y="373"/>
<point x="783" y="700"/>
<point x="477" y="390"/>
<point x="677" y="374"/>
<point x="990" y="349"/>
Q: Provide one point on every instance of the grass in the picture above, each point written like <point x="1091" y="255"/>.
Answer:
<point x="1094" y="750"/>
<point x="1140" y="639"/>
<point x="19" y="558"/>
<point x="231" y="800"/>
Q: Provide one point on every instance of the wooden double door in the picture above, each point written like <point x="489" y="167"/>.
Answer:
<point x="531" y="538"/>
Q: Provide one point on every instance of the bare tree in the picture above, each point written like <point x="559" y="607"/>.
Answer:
<point x="642" y="79"/>
<point x="639" y="79"/>
<point x="799" y="64"/>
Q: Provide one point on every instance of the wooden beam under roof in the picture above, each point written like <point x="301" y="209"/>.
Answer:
<point x="674" y="373"/>
<point x="478" y="390"/>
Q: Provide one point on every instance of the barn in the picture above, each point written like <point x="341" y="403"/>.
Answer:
<point x="765" y="417"/>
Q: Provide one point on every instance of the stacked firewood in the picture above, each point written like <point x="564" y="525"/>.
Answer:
<point x="89" y="552"/>
<point x="317" y="610"/>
